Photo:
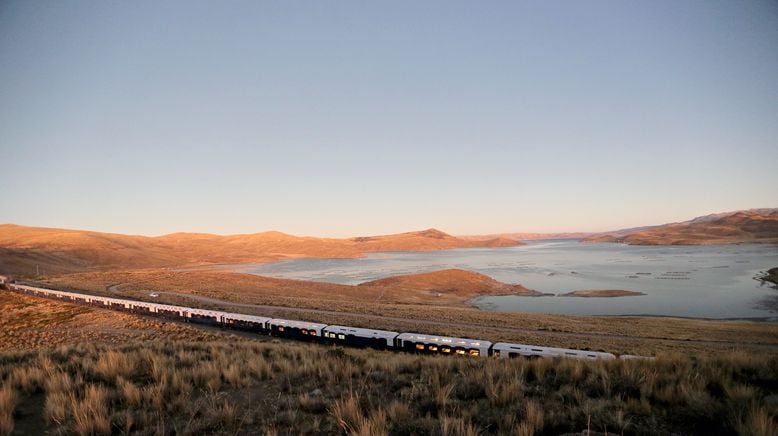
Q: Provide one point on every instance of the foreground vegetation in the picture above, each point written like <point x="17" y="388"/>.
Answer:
<point x="249" y="387"/>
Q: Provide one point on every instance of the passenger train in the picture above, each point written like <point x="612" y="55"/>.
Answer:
<point x="317" y="332"/>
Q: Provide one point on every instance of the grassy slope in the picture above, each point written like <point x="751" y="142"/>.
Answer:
<point x="237" y="386"/>
<point x="636" y="335"/>
<point x="28" y="323"/>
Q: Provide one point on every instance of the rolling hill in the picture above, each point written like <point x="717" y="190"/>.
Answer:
<point x="26" y="250"/>
<point x="746" y="226"/>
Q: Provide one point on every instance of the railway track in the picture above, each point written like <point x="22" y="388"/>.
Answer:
<point x="546" y="333"/>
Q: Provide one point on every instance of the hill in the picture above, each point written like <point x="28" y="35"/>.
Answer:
<point x="425" y="240"/>
<point x="445" y="287"/>
<point x="448" y="282"/>
<point x="747" y="226"/>
<point x="26" y="250"/>
<point x="521" y="236"/>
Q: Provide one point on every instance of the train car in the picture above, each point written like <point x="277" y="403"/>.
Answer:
<point x="336" y="334"/>
<point x="504" y="350"/>
<point x="169" y="311"/>
<point x="310" y="331"/>
<point x="203" y="316"/>
<point x="251" y="323"/>
<point x="421" y="343"/>
<point x="358" y="337"/>
<point x="633" y="357"/>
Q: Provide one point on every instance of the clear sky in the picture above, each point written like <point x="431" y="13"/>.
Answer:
<point x="347" y="118"/>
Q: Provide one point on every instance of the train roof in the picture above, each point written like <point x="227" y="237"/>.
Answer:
<point x="297" y="324"/>
<point x="500" y="346"/>
<point x="245" y="317"/>
<point x="362" y="332"/>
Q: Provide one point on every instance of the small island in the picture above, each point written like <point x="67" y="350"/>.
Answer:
<point x="771" y="276"/>
<point x="606" y="293"/>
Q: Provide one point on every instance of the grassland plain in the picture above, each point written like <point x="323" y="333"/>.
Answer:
<point x="627" y="335"/>
<point x="198" y="382"/>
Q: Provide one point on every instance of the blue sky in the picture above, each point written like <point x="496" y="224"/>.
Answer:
<point x="348" y="118"/>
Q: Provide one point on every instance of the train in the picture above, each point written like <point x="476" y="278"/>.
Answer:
<point x="321" y="333"/>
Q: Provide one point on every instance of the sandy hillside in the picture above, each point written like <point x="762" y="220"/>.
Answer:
<point x="750" y="226"/>
<point x="25" y="250"/>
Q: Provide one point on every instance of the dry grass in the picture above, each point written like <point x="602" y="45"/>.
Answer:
<point x="7" y="405"/>
<point x="402" y="312"/>
<point x="215" y="387"/>
<point x="29" y="323"/>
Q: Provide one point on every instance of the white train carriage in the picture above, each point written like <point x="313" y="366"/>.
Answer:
<point x="505" y="350"/>
<point x="421" y="343"/>
<point x="250" y="323"/>
<point x="296" y="329"/>
<point x="358" y="337"/>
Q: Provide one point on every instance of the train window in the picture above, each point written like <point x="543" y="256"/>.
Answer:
<point x="342" y="337"/>
<point x="419" y="346"/>
<point x="446" y="349"/>
<point x="280" y="329"/>
<point x="313" y="333"/>
<point x="497" y="353"/>
<point x="475" y="353"/>
<point x="433" y="348"/>
<point x="460" y="351"/>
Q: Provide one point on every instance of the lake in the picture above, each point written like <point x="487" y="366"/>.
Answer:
<point x="714" y="281"/>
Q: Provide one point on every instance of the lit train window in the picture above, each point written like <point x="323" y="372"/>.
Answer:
<point x="342" y="337"/>
<point x="419" y="346"/>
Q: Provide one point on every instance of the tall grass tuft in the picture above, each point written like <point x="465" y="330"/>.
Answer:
<point x="758" y="422"/>
<point x="56" y="407"/>
<point x="114" y="364"/>
<point x="7" y="406"/>
<point x="90" y="413"/>
<point x="347" y="413"/>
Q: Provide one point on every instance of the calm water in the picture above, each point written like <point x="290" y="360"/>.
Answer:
<point x="708" y="281"/>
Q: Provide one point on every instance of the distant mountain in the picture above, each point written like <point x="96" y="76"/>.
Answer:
<point x="745" y="226"/>
<point x="425" y="240"/>
<point x="519" y="236"/>
<point x="25" y="250"/>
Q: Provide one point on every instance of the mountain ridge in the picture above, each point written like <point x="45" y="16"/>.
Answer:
<point x="25" y="249"/>
<point x="742" y="226"/>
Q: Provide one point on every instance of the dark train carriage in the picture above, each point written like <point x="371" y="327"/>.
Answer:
<point x="358" y="337"/>
<point x="251" y="323"/>
<point x="432" y="344"/>
<point x="308" y="331"/>
<point x="202" y="316"/>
